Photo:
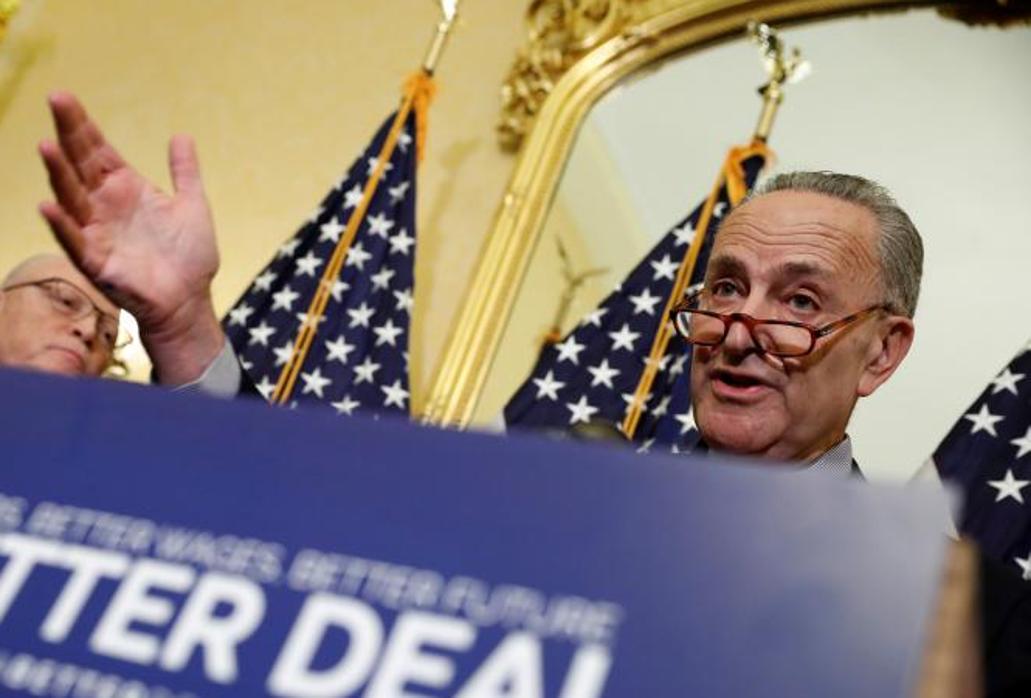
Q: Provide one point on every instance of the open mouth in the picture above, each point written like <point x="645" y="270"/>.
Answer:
<point x="737" y="380"/>
<point x="737" y="385"/>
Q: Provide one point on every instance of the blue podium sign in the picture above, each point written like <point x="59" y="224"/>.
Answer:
<point x="164" y="545"/>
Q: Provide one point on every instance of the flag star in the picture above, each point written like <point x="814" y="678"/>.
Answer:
<point x="338" y="350"/>
<point x="308" y="264"/>
<point x="1025" y="566"/>
<point x="264" y="281"/>
<point x="331" y="230"/>
<point x="569" y="350"/>
<point x="365" y="371"/>
<point x="1023" y="444"/>
<point x="548" y="386"/>
<point x="632" y="400"/>
<point x="1009" y="486"/>
<point x="314" y="382"/>
<point x="288" y="248"/>
<point x="1007" y="380"/>
<point x="646" y="447"/>
<point x="261" y="333"/>
<point x="624" y="339"/>
<point x="686" y="422"/>
<point x="594" y="318"/>
<point x="603" y="374"/>
<point x="684" y="234"/>
<point x="397" y="194"/>
<point x="678" y="365"/>
<point x="374" y="163"/>
<point x="983" y="421"/>
<point x="304" y="320"/>
<point x="239" y="314"/>
<point x="346" y="405"/>
<point x="394" y="394"/>
<point x="663" y="407"/>
<point x="284" y="298"/>
<point x="387" y="333"/>
<point x="265" y="387"/>
<point x="403" y="141"/>
<point x="247" y="365"/>
<point x="337" y="291"/>
<point x="665" y="268"/>
<point x="360" y="315"/>
<point x="353" y="196"/>
<point x="402" y="242"/>
<point x="380" y="225"/>
<point x="660" y="363"/>
<point x="284" y="352"/>
<point x="381" y="279"/>
<point x="581" y="411"/>
<point x="357" y="256"/>
<point x="644" y="302"/>
<point x="719" y="209"/>
<point x="314" y="217"/>
<point x="404" y="300"/>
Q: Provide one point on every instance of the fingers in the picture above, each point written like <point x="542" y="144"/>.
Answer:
<point x="67" y="231"/>
<point x="183" y="164"/>
<point x="83" y="144"/>
<point x="65" y="182"/>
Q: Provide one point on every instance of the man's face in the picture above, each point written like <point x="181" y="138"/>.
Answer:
<point x="36" y="334"/>
<point x="804" y="257"/>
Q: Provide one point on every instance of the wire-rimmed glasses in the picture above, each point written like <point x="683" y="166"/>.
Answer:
<point x="72" y="302"/>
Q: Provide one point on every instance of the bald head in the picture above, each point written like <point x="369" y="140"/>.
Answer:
<point x="39" y="331"/>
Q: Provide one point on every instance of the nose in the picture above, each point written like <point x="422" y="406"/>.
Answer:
<point x="738" y="340"/>
<point x="86" y="328"/>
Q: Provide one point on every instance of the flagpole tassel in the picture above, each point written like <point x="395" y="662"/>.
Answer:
<point x="421" y="88"/>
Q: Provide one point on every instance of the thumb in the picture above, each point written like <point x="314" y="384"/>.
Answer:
<point x="182" y="161"/>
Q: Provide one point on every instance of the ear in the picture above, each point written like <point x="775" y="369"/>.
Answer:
<point x="888" y="346"/>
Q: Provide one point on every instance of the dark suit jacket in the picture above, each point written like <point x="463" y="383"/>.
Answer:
<point x="1005" y="629"/>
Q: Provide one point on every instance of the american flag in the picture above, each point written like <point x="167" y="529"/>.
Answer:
<point x="988" y="454"/>
<point x="359" y="358"/>
<point x="591" y="375"/>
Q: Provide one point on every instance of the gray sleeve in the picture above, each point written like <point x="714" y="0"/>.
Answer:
<point x="220" y="379"/>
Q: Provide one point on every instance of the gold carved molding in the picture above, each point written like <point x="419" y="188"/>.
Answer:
<point x="561" y="32"/>
<point x="599" y="53"/>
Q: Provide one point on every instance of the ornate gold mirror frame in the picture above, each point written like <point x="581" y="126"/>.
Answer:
<point x="578" y="51"/>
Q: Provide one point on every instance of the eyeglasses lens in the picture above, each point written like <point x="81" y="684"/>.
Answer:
<point x="76" y="305"/>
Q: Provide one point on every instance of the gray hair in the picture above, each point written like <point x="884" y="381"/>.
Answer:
<point x="899" y="246"/>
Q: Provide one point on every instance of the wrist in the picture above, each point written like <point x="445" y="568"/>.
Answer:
<point x="186" y="343"/>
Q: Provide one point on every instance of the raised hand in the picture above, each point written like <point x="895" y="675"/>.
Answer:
<point x="153" y="253"/>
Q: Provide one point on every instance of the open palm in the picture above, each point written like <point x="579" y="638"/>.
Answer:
<point x="152" y="252"/>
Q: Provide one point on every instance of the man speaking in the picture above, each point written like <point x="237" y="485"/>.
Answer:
<point x="807" y="306"/>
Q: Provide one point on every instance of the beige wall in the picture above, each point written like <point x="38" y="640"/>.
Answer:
<point x="281" y="98"/>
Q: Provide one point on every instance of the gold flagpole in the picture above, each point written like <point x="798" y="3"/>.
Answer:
<point x="780" y="70"/>
<point x="419" y="90"/>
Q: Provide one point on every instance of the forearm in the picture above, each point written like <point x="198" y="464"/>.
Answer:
<point x="186" y="343"/>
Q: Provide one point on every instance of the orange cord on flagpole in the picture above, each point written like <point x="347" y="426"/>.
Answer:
<point x="418" y="93"/>
<point x="732" y="175"/>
